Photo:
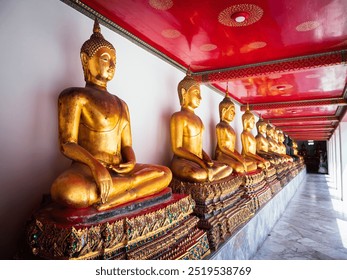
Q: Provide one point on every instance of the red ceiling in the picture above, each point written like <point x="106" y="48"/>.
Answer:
<point x="287" y="60"/>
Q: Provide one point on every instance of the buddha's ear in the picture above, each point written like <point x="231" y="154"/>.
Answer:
<point x="84" y="58"/>
<point x="183" y="94"/>
<point x="223" y="111"/>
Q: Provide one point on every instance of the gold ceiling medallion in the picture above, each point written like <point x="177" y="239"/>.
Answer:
<point x="171" y="33"/>
<point x="208" y="47"/>
<point x="252" y="46"/>
<point x="257" y="45"/>
<point x="161" y="4"/>
<point x="307" y="26"/>
<point x="240" y="15"/>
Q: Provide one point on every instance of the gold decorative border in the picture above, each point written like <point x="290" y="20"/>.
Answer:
<point x="155" y="248"/>
<point x="206" y="193"/>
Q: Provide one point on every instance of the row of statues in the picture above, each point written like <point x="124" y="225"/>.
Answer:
<point x="95" y="133"/>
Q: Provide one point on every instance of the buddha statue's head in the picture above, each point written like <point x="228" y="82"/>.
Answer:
<point x="226" y="109"/>
<point x="261" y="126"/>
<point x="189" y="92"/>
<point x="98" y="58"/>
<point x="269" y="130"/>
<point x="248" y="119"/>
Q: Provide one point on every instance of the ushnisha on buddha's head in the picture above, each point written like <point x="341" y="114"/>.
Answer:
<point x="189" y="92"/>
<point x="98" y="57"/>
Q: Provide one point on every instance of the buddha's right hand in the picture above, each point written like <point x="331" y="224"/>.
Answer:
<point x="103" y="180"/>
<point x="123" y="168"/>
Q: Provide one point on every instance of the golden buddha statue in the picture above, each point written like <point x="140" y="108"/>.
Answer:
<point x="249" y="143"/>
<point x="95" y="133"/>
<point x="282" y="147"/>
<point x="190" y="162"/>
<point x="226" y="139"/>
<point x="273" y="146"/>
<point x="295" y="148"/>
<point x="263" y="143"/>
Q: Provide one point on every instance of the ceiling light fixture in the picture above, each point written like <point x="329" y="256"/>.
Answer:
<point x="240" y="16"/>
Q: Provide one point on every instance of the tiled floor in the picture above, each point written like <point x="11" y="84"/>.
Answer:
<point x="314" y="225"/>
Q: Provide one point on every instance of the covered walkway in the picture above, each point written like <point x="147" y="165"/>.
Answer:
<point x="314" y="225"/>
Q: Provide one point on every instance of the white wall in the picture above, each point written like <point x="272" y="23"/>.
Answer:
<point x="343" y="135"/>
<point x="338" y="160"/>
<point x="41" y="41"/>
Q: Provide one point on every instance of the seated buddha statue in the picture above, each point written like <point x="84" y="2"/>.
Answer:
<point x="296" y="151"/>
<point x="95" y="133"/>
<point x="190" y="162"/>
<point x="273" y="147"/>
<point x="282" y="147"/>
<point x="263" y="143"/>
<point x="249" y="143"/>
<point x="226" y="138"/>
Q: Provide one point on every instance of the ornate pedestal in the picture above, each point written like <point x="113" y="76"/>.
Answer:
<point x="159" y="226"/>
<point x="220" y="206"/>
<point x="256" y="188"/>
<point x="281" y="173"/>
<point x="272" y="180"/>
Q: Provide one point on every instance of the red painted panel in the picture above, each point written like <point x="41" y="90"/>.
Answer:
<point x="198" y="33"/>
<point x="204" y="35"/>
<point x="298" y="112"/>
<point x="325" y="82"/>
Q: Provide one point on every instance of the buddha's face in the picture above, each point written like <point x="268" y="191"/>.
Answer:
<point x="249" y="122"/>
<point x="229" y="113"/>
<point x="262" y="128"/>
<point x="101" y="66"/>
<point x="192" y="97"/>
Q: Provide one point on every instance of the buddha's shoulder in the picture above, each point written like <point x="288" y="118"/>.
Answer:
<point x="260" y="136"/>
<point x="74" y="92"/>
<point x="183" y="115"/>
<point x="88" y="95"/>
<point x="224" y="126"/>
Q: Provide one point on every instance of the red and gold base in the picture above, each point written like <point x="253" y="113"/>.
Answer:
<point x="139" y="233"/>
<point x="220" y="206"/>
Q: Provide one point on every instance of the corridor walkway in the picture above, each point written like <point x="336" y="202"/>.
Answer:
<point x="314" y="225"/>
